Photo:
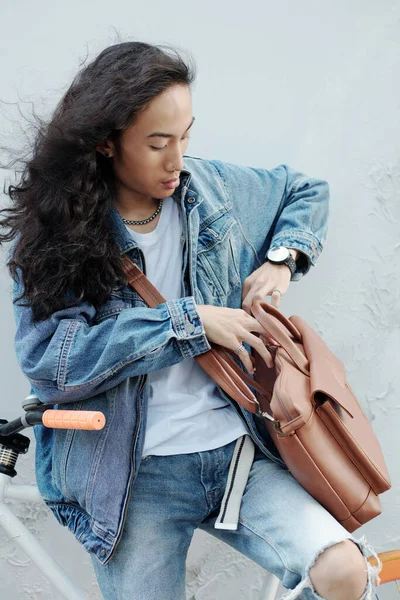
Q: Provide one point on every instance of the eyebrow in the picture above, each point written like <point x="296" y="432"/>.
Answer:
<point x="168" y="135"/>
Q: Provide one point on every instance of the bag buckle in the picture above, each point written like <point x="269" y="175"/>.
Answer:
<point x="275" y="424"/>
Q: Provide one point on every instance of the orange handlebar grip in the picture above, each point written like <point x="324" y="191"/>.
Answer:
<point x="74" y="419"/>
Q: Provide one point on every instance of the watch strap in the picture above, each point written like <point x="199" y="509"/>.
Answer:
<point x="291" y="263"/>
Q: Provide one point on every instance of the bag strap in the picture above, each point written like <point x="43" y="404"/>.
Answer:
<point x="215" y="362"/>
<point x="139" y="282"/>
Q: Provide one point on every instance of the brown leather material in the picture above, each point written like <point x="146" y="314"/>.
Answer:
<point x="276" y="333"/>
<point x="222" y="370"/>
<point x="309" y="409"/>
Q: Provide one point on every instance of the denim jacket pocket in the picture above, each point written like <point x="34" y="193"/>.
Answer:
<point x="63" y="439"/>
<point x="77" y="452"/>
<point x="217" y="268"/>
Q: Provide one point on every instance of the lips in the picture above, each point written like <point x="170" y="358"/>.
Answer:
<point x="174" y="179"/>
<point x="171" y="183"/>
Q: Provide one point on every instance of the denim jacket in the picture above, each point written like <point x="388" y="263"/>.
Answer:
<point x="82" y="358"/>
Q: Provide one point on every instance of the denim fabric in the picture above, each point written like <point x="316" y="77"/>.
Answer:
<point x="82" y="358"/>
<point x="281" y="527"/>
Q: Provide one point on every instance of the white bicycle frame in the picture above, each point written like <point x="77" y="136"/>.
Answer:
<point x="21" y="536"/>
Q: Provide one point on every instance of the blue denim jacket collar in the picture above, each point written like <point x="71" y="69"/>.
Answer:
<point x="124" y="240"/>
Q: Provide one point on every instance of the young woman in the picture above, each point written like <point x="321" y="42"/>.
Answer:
<point x="109" y="176"/>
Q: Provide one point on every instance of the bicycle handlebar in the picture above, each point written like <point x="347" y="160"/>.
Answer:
<point x="57" y="419"/>
<point x="74" y="419"/>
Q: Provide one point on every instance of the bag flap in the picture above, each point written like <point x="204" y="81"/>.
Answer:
<point x="327" y="372"/>
<point x="350" y="427"/>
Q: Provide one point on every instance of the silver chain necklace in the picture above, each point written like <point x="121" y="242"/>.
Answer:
<point x="153" y="216"/>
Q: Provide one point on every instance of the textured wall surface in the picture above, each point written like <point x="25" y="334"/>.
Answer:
<point x="314" y="85"/>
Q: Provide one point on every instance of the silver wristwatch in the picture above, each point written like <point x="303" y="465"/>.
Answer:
<point x="281" y="256"/>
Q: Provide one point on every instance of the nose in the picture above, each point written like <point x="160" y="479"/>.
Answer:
<point x="174" y="161"/>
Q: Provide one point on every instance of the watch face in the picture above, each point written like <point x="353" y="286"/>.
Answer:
<point x="278" y="254"/>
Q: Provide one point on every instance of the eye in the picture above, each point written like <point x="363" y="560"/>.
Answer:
<point x="157" y="148"/>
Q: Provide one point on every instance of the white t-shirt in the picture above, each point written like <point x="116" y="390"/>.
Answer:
<point x="186" y="412"/>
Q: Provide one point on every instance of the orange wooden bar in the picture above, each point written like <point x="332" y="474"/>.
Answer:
<point x="390" y="565"/>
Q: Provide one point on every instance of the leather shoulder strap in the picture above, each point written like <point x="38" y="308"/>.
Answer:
<point x="216" y="362"/>
<point x="139" y="282"/>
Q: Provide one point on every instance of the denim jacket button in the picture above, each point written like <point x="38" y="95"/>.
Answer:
<point x="189" y="327"/>
<point x="191" y="200"/>
<point x="103" y="552"/>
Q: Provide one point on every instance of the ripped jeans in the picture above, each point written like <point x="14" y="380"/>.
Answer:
<point x="281" y="527"/>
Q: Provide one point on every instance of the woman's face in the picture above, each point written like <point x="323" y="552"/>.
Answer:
<point x="150" y="159"/>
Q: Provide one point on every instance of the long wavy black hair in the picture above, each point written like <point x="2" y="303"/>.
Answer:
<point x="60" y="208"/>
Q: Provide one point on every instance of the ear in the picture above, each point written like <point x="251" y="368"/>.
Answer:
<point x="106" y="148"/>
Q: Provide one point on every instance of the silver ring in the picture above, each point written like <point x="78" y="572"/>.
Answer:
<point x="240" y="349"/>
<point x="276" y="290"/>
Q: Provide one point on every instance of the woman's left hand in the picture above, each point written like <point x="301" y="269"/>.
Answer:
<point x="262" y="282"/>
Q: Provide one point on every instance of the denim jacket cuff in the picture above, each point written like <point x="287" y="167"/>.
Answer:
<point x="305" y="243"/>
<point x="188" y="327"/>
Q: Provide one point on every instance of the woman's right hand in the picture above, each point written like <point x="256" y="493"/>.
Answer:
<point x="230" y="327"/>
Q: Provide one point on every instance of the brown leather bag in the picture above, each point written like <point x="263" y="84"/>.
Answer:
<point x="309" y="409"/>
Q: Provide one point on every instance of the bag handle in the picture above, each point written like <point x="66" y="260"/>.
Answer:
<point x="276" y="333"/>
<point x="280" y="317"/>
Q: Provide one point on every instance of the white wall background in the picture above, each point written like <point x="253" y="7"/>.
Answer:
<point x="312" y="84"/>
